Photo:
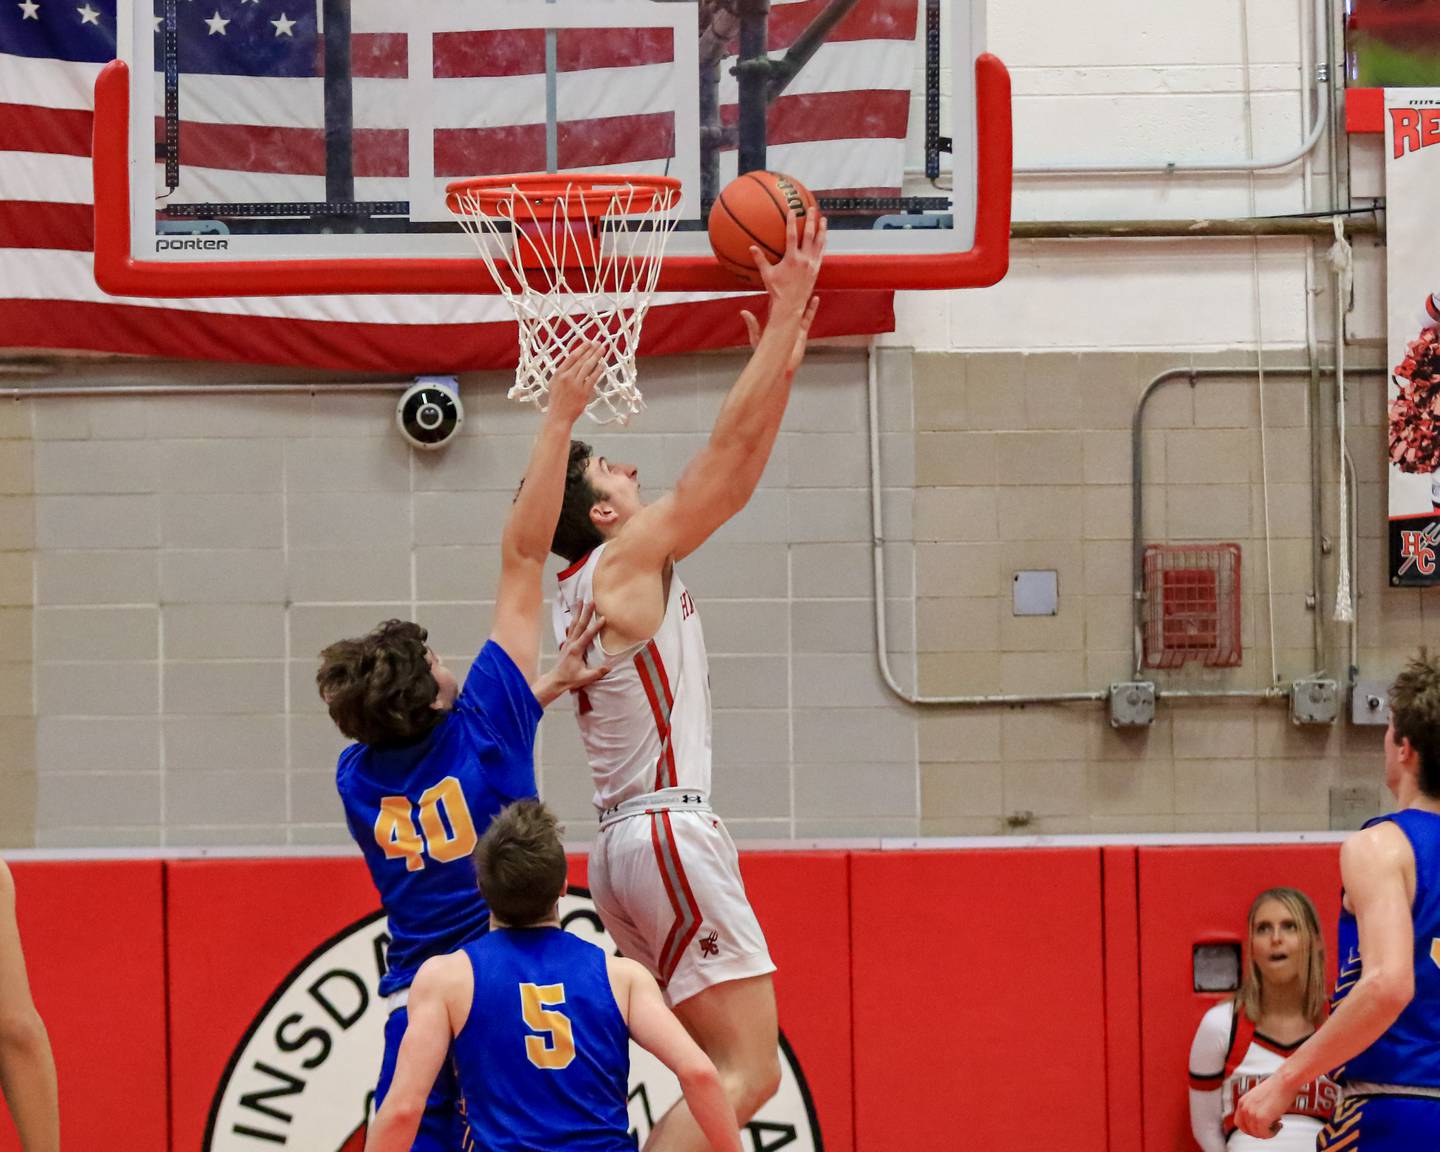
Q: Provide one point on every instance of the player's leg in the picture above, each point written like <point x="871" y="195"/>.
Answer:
<point x="713" y="962"/>
<point x="442" y="1128"/>
<point x="735" y="1022"/>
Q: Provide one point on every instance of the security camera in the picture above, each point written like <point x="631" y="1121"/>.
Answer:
<point x="429" y="413"/>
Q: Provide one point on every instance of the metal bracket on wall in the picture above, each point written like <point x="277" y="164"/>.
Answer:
<point x="1370" y="703"/>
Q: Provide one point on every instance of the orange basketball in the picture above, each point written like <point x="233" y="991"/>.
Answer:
<point x="751" y="210"/>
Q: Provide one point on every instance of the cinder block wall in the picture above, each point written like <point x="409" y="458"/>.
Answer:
<point x="1023" y="461"/>
<point x="191" y="555"/>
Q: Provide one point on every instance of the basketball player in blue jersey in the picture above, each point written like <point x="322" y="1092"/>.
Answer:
<point x="539" y="1021"/>
<point x="434" y="762"/>
<point x="1384" y="1034"/>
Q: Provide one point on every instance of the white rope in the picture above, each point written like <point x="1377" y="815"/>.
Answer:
<point x="1342" y="267"/>
<point x="600" y="296"/>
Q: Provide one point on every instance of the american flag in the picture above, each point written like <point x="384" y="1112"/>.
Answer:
<point x="253" y="128"/>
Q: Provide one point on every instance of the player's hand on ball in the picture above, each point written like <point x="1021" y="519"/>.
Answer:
<point x="797" y="354"/>
<point x="570" y="671"/>
<point x="573" y="386"/>
<point x="792" y="281"/>
<point x="1258" y="1112"/>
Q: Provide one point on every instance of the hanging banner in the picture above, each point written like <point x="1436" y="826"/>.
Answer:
<point x="1412" y="173"/>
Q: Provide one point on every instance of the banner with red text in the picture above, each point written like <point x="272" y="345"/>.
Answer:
<point x="1412" y="174"/>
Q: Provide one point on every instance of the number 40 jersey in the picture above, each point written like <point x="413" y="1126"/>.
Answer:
<point x="418" y="810"/>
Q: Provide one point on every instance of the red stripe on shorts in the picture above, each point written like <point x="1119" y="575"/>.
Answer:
<point x="682" y="901"/>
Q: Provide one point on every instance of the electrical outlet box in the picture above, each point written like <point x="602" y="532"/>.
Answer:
<point x="1314" y="701"/>
<point x="1132" y="704"/>
<point x="1370" y="702"/>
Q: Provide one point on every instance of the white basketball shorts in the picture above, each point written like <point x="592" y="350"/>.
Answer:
<point x="666" y="882"/>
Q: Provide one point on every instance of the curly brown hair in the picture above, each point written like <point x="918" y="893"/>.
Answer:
<point x="575" y="532"/>
<point x="520" y="862"/>
<point x="379" y="687"/>
<point x="1415" y="715"/>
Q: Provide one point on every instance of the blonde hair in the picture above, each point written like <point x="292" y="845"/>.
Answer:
<point x="1250" y="998"/>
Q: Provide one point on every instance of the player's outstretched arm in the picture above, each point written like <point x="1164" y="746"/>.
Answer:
<point x="525" y="542"/>
<point x="570" y="672"/>
<point x="422" y="1054"/>
<point x="656" y="1029"/>
<point x="719" y="481"/>
<point x="1373" y="867"/>
<point x="27" y="1066"/>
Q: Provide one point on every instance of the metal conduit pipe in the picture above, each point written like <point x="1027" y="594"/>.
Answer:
<point x="877" y="543"/>
<point x="73" y="391"/>
<point x="1319" y="95"/>
<point x="1364" y="222"/>
<point x="1192" y="376"/>
<point x="877" y="529"/>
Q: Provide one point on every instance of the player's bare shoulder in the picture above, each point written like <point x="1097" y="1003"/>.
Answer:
<point x="446" y="979"/>
<point x="625" y="976"/>
<point x="631" y="584"/>
<point x="1378" y="854"/>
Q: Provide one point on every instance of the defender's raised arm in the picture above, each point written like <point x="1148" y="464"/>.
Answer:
<point x="525" y="543"/>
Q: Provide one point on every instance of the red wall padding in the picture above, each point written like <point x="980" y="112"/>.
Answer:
<point x="237" y="928"/>
<point x="978" y="1000"/>
<point x="1009" y="999"/>
<point x="803" y="902"/>
<point x="94" y="939"/>
<point x="1187" y="896"/>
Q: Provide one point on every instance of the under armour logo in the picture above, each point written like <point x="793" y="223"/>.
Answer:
<point x="709" y="945"/>
<point x="689" y="799"/>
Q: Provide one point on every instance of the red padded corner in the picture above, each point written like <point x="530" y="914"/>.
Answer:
<point x="1365" y="110"/>
<point x="979" y="999"/>
<point x="1193" y="894"/>
<point x="237" y="929"/>
<point x="94" y="939"/>
<point x="803" y="902"/>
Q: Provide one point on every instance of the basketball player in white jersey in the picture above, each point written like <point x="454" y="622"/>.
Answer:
<point x="663" y="871"/>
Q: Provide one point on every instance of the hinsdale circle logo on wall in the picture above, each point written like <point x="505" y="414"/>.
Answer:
<point x="304" y="1073"/>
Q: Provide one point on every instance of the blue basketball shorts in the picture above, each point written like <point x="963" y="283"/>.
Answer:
<point x="442" y="1128"/>
<point x="1382" y="1124"/>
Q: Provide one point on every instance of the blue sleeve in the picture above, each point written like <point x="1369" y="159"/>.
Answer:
<point x="497" y="698"/>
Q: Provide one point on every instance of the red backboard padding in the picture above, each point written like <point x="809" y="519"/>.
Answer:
<point x="94" y="944"/>
<point x="1189" y="895"/>
<point x="237" y="928"/>
<point x="979" y="1000"/>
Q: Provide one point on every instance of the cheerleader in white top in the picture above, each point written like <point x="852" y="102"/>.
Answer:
<point x="1241" y="1041"/>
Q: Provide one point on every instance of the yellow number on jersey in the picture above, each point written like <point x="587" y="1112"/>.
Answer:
<point x="398" y="838"/>
<point x="557" y="1048"/>
<point x="395" y="833"/>
<point x="460" y="839"/>
<point x="1435" y="951"/>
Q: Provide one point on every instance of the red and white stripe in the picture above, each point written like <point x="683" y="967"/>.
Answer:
<point x="688" y="917"/>
<point x="657" y="690"/>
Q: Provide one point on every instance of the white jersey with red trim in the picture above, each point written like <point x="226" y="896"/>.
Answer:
<point x="1229" y="1057"/>
<point x="645" y="726"/>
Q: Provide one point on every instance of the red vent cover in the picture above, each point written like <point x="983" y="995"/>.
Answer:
<point x="1192" y="605"/>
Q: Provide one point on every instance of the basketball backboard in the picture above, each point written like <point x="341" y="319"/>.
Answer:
<point x="314" y="138"/>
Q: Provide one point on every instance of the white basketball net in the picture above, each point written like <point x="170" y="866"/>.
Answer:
<point x="563" y="297"/>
